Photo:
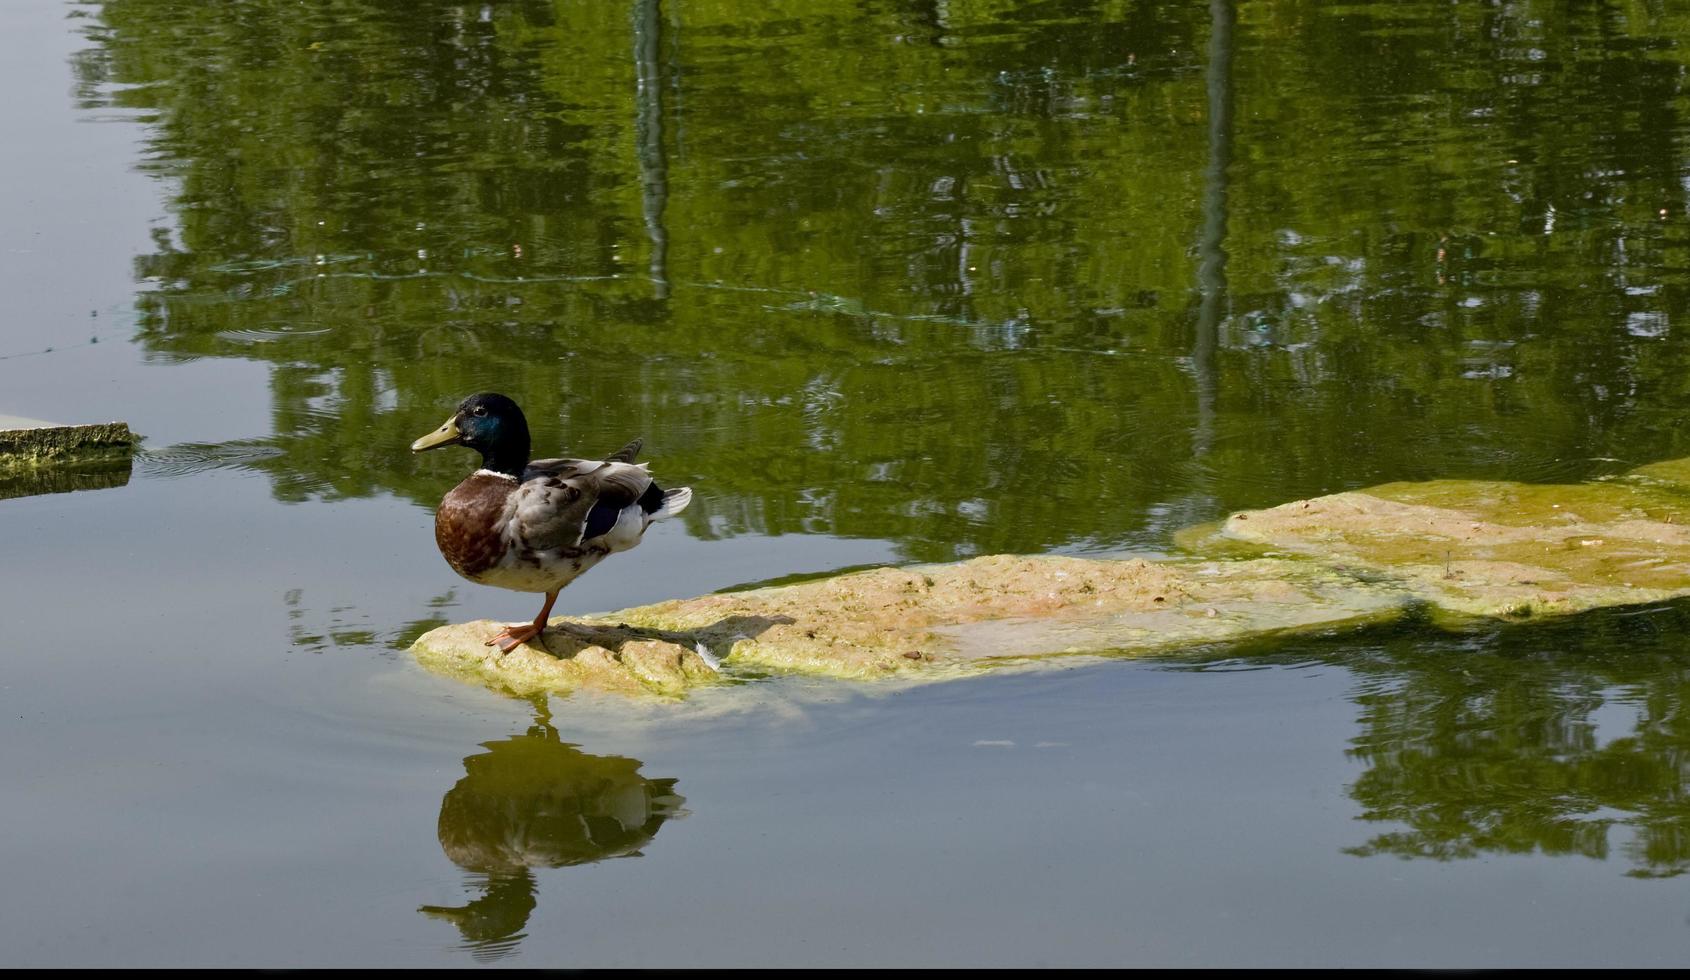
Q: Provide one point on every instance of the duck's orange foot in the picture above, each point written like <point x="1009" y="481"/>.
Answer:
<point x="514" y="636"/>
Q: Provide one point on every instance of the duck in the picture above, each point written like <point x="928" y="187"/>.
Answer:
<point x="536" y="525"/>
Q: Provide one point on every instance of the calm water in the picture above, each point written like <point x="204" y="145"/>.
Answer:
<point x="882" y="281"/>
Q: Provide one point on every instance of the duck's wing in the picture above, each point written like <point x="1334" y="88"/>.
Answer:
<point x="566" y="468"/>
<point x="628" y="453"/>
<point x="567" y="503"/>
<point x="559" y="468"/>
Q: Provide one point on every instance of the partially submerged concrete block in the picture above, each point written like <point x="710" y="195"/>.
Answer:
<point x="30" y="442"/>
<point x="1478" y="548"/>
<point x="41" y="457"/>
<point x="923" y="622"/>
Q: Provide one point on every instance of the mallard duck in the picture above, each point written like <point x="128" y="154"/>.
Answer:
<point x="537" y="525"/>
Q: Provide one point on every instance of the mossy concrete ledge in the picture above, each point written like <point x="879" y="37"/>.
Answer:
<point x="29" y="442"/>
<point x="1495" y="549"/>
<point x="41" y="457"/>
<point x="926" y="622"/>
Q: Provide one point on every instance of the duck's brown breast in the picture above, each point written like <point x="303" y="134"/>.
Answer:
<point x="469" y="526"/>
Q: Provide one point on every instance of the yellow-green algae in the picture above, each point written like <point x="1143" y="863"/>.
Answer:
<point x="926" y="622"/>
<point x="1481" y="548"/>
<point x="1464" y="548"/>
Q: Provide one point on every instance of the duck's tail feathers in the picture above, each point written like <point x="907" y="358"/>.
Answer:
<point x="671" y="503"/>
<point x="627" y="454"/>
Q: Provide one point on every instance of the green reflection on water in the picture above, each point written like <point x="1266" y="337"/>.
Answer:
<point x="533" y="801"/>
<point x="973" y="277"/>
<point x="63" y="477"/>
<point x="1560" y="741"/>
<point x="1562" y="738"/>
<point x="925" y="272"/>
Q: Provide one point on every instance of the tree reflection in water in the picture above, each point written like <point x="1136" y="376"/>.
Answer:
<point x="924" y="273"/>
<point x="1566" y="738"/>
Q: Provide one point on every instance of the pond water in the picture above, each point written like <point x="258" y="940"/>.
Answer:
<point x="886" y="281"/>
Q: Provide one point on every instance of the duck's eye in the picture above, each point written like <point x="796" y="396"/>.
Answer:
<point x="480" y="411"/>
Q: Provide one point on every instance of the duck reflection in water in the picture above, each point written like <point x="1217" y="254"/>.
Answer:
<point x="534" y="801"/>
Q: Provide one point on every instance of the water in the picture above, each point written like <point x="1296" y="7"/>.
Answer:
<point x="882" y="282"/>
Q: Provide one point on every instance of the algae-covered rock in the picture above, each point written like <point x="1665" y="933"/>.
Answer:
<point x="1499" y="549"/>
<point x="1670" y="473"/>
<point x="40" y="457"/>
<point x="567" y="657"/>
<point x="1468" y="548"/>
<point x="924" y="622"/>
<point x="27" y="442"/>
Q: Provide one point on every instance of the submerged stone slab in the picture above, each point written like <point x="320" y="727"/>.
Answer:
<point x="30" y="442"/>
<point x="42" y="457"/>
<point x="1477" y="548"/>
<point x="926" y="622"/>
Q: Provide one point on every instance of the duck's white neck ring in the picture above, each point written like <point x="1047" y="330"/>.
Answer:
<point x="502" y="476"/>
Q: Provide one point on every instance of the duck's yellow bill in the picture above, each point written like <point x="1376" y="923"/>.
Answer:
<point x="446" y="435"/>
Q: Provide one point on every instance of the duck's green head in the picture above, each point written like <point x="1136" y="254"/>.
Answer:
<point x="489" y="423"/>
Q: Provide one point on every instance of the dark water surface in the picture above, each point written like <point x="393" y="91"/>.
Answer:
<point x="883" y="281"/>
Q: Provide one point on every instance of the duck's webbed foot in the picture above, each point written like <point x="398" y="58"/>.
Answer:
<point x="515" y="636"/>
